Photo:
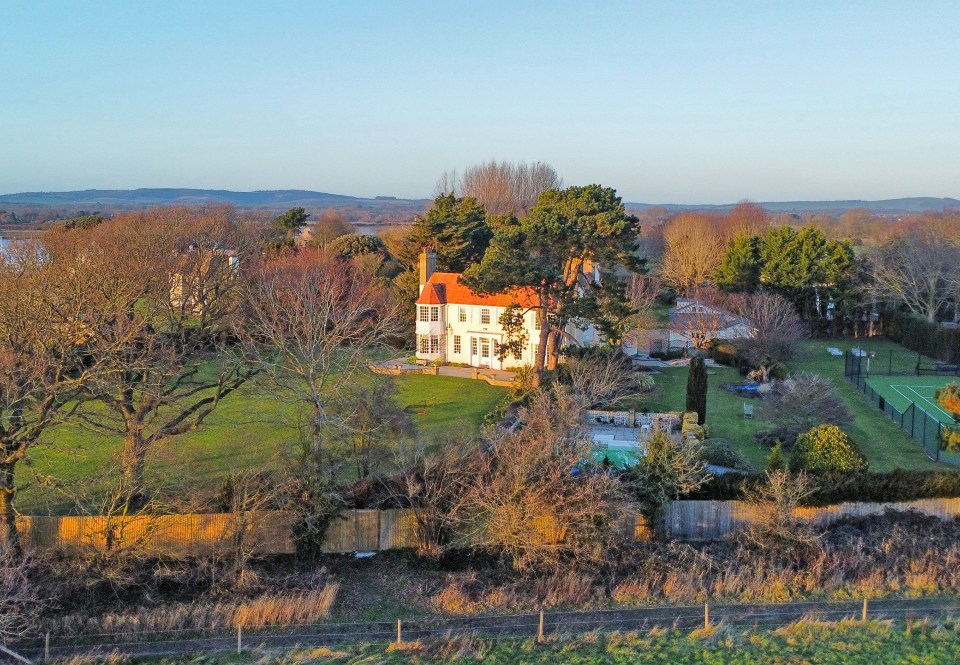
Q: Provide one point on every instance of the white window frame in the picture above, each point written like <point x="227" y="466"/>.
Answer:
<point x="473" y="346"/>
<point x="423" y="343"/>
<point x="424" y="314"/>
<point x="484" y="347"/>
<point x="485" y="316"/>
<point x="456" y="344"/>
<point x="434" y="344"/>
<point x="463" y="315"/>
<point x="434" y="314"/>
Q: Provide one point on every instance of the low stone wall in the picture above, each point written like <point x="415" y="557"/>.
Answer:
<point x="665" y="422"/>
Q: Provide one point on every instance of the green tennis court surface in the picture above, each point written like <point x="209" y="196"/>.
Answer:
<point x="900" y="391"/>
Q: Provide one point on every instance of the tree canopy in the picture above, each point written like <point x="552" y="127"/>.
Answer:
<point x="550" y="251"/>
<point x="457" y="230"/>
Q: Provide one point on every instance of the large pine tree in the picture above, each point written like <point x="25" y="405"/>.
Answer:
<point x="551" y="248"/>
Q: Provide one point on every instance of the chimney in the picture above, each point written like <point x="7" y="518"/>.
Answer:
<point x="428" y="265"/>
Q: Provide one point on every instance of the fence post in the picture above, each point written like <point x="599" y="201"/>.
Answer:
<point x="540" y="629"/>
<point x="706" y="616"/>
<point x="239" y="639"/>
<point x="46" y="647"/>
<point x="863" y="613"/>
<point x="399" y="638"/>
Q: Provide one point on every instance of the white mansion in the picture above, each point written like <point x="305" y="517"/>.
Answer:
<point x="457" y="325"/>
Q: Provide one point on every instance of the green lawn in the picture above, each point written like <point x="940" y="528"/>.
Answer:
<point x="250" y="429"/>
<point x="884" y="444"/>
<point x="724" y="409"/>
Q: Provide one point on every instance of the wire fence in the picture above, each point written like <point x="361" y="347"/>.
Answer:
<point x="536" y="625"/>
<point x="915" y="420"/>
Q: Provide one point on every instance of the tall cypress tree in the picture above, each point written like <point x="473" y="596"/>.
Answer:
<point x="697" y="389"/>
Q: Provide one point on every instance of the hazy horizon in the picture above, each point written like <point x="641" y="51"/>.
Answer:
<point x="692" y="104"/>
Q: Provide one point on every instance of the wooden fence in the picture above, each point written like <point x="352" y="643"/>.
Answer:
<point x="705" y="520"/>
<point x="272" y="532"/>
<point x="163" y="535"/>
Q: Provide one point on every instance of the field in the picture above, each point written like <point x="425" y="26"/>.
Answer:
<point x="846" y="642"/>
<point x="884" y="444"/>
<point x="250" y="429"/>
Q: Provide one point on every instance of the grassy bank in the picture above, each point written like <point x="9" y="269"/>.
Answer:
<point x="845" y="642"/>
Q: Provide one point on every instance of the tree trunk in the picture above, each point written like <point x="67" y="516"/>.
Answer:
<point x="540" y="360"/>
<point x="134" y="460"/>
<point x="8" y="521"/>
<point x="552" y="350"/>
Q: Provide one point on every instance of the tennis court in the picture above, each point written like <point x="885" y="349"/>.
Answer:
<point x="900" y="391"/>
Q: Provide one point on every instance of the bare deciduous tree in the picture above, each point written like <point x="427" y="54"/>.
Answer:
<point x="802" y="401"/>
<point x="919" y="269"/>
<point x="431" y="483"/>
<point x="165" y="295"/>
<point x="312" y="320"/>
<point x="369" y="424"/>
<point x="778" y="530"/>
<point x="22" y="601"/>
<point x="693" y="248"/>
<point x="603" y="377"/>
<point x="526" y="502"/>
<point x="41" y="368"/>
<point x="502" y="187"/>
<point x="775" y="326"/>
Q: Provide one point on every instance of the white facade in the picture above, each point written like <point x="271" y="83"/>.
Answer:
<point x="455" y="325"/>
<point x="471" y="335"/>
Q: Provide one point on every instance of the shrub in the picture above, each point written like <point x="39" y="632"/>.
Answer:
<point x="928" y="338"/>
<point x="721" y="453"/>
<point x="724" y="353"/>
<point x="776" y="460"/>
<point x="778" y="372"/>
<point x="950" y="439"/>
<point x="826" y="448"/>
<point x="841" y="486"/>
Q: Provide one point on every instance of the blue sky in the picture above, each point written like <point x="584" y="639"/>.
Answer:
<point x="668" y="102"/>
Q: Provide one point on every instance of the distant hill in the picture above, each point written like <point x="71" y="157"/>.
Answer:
<point x="289" y="198"/>
<point x="138" y="198"/>
<point x="889" y="206"/>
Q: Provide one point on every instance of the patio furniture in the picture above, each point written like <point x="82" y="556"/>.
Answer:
<point x="748" y="411"/>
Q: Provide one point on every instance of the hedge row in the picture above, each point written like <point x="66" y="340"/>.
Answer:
<point x="930" y="339"/>
<point x="847" y="487"/>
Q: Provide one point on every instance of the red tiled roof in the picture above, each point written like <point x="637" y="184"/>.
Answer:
<point x="444" y="288"/>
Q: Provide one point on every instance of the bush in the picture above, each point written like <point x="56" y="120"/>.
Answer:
<point x="838" y="487"/>
<point x="721" y="453"/>
<point x="724" y="353"/>
<point x="778" y="372"/>
<point x="950" y="439"/>
<point x="927" y="338"/>
<point x="826" y="448"/>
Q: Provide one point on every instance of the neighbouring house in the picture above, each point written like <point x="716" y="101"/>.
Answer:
<point x="201" y="278"/>
<point x="697" y="324"/>
<point x="457" y="325"/>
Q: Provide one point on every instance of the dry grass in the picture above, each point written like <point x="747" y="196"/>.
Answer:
<point x="896" y="554"/>
<point x="265" y="610"/>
